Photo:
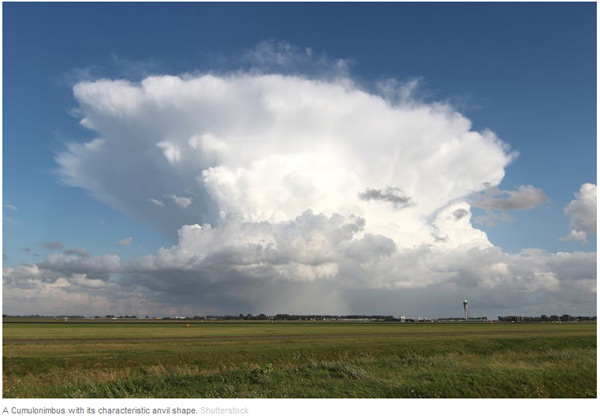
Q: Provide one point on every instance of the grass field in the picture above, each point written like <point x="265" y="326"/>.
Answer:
<point x="295" y="359"/>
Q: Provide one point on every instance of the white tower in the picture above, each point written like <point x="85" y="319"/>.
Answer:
<point x="466" y="307"/>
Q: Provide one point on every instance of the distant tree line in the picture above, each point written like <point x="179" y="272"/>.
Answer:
<point x="565" y="318"/>
<point x="327" y="317"/>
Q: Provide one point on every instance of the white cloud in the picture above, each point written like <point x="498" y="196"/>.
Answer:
<point x="170" y="151"/>
<point x="73" y="262"/>
<point x="454" y="230"/>
<point x="31" y="289"/>
<point x="125" y="241"/>
<point x="582" y="213"/>
<point x="182" y="201"/>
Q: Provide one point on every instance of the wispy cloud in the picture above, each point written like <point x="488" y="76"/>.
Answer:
<point x="282" y="57"/>
<point x="125" y="242"/>
<point x="157" y="202"/>
<point x="9" y="207"/>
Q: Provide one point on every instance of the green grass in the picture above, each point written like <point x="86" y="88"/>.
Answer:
<point x="299" y="360"/>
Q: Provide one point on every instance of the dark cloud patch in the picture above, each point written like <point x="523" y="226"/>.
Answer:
<point x="396" y="196"/>
<point x="525" y="197"/>
<point x="370" y="247"/>
<point x="460" y="213"/>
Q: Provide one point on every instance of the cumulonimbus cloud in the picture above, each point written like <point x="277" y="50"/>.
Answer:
<point x="288" y="191"/>
<point x="269" y="147"/>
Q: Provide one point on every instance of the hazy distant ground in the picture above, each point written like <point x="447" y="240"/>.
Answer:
<point x="297" y="359"/>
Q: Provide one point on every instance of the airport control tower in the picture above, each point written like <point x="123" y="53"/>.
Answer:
<point x="466" y="307"/>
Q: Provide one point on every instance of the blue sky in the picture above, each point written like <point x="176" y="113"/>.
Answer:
<point x="526" y="71"/>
